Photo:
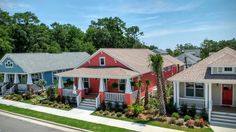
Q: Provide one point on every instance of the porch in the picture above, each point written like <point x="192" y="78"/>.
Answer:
<point x="111" y="84"/>
<point x="214" y="97"/>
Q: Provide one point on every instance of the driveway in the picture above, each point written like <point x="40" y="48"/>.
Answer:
<point x="12" y="123"/>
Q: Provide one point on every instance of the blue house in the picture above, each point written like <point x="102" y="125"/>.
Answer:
<point x="25" y="69"/>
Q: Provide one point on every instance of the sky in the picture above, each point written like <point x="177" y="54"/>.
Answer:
<point x="165" y="23"/>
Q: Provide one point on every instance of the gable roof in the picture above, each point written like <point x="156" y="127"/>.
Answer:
<point x="42" y="62"/>
<point x="190" y="58"/>
<point x="200" y="71"/>
<point x="136" y="59"/>
<point x="160" y="51"/>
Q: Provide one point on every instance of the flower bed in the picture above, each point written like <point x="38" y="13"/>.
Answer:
<point x="40" y="99"/>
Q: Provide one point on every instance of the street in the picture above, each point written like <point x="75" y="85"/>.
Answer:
<point x="12" y="123"/>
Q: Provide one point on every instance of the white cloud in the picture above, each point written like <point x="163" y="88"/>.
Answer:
<point x="9" y="5"/>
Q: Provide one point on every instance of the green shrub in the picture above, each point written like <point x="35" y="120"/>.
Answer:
<point x="187" y="117"/>
<point x="190" y="123"/>
<point x="153" y="105"/>
<point x="137" y="109"/>
<point x="197" y="117"/>
<point x="26" y="95"/>
<point x="118" y="114"/>
<point x="35" y="101"/>
<point x="192" y="111"/>
<point x="175" y="115"/>
<point x="180" y="122"/>
<point x="172" y="120"/>
<point x="51" y="93"/>
<point x="184" y="109"/>
<point x="106" y="113"/>
<point x="162" y="118"/>
<point x="204" y="114"/>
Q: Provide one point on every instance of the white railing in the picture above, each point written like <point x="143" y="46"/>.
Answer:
<point x="78" y="99"/>
<point x="199" y="103"/>
<point x="98" y="101"/>
<point x="4" y="89"/>
<point x="114" y="97"/>
<point x="22" y="87"/>
<point x="12" y="89"/>
<point x="68" y="92"/>
<point x="134" y="95"/>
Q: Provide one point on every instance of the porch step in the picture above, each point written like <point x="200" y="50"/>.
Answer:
<point x="223" y="118"/>
<point x="89" y="104"/>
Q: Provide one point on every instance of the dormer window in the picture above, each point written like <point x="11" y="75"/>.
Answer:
<point x="228" y="69"/>
<point x="9" y="64"/>
<point x="102" y="61"/>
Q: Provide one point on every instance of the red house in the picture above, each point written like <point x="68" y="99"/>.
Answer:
<point x="109" y="75"/>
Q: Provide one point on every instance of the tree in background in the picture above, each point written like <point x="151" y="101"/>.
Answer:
<point x="156" y="61"/>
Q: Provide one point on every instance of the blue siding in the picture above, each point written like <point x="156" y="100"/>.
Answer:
<point x="15" y="69"/>
<point x="48" y="76"/>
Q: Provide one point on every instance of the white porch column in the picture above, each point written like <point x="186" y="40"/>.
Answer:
<point x="29" y="79"/>
<point x="16" y="79"/>
<point x="101" y="85"/>
<point x="174" y="92"/>
<point x="128" y="88"/>
<point x="177" y="94"/>
<point x="42" y="76"/>
<point x="74" y="87"/>
<point x="209" y="102"/>
<point x="6" y="79"/>
<point x="205" y="95"/>
<point x="80" y="83"/>
<point x="60" y="83"/>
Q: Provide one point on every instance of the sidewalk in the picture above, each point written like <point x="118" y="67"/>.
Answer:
<point x="85" y="116"/>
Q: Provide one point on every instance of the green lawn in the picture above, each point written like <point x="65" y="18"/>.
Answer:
<point x="160" y="124"/>
<point x="63" y="120"/>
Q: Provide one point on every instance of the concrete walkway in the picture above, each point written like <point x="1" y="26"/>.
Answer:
<point x="85" y="116"/>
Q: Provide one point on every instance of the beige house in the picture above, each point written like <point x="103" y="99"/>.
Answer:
<point x="210" y="84"/>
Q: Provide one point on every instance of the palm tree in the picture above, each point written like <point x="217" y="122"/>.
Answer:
<point x="146" y="93"/>
<point x="139" y="85"/>
<point x="156" y="65"/>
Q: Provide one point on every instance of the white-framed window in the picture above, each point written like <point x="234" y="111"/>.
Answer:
<point x="194" y="90"/>
<point x="9" y="64"/>
<point x="121" y="86"/>
<point x="102" y="61"/>
<point x="228" y="69"/>
<point x="86" y="82"/>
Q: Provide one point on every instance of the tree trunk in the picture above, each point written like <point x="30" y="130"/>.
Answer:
<point x="138" y="97"/>
<point x="146" y="97"/>
<point x="163" y="83"/>
<point x="160" y="95"/>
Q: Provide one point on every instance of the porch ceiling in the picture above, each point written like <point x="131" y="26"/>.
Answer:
<point x="98" y="72"/>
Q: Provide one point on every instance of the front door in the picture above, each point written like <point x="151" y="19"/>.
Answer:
<point x="227" y="94"/>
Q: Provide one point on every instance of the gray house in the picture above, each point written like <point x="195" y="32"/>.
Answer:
<point x="190" y="57"/>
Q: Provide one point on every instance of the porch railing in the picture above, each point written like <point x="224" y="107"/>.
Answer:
<point x="98" y="101"/>
<point x="68" y="92"/>
<point x="22" y="88"/>
<point x="116" y="97"/>
<point x="12" y="89"/>
<point x="199" y="103"/>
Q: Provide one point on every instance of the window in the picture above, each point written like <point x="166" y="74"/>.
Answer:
<point x="195" y="89"/>
<point x="86" y="82"/>
<point x="102" y="61"/>
<point x="36" y="77"/>
<point x="189" y="89"/>
<point x="228" y="69"/>
<point x="9" y="64"/>
<point x="122" y="85"/>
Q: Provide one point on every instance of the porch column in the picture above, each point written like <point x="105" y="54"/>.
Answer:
<point x="177" y="94"/>
<point x="6" y="79"/>
<point x="101" y="90"/>
<point x="174" y="85"/>
<point x="205" y="95"/>
<point x="60" y="86"/>
<point x="29" y="79"/>
<point x="74" y="86"/>
<point x="209" y="102"/>
<point x="16" y="79"/>
<point x="128" y="92"/>
<point x="80" y="87"/>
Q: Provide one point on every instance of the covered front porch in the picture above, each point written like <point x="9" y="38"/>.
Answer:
<point x="17" y="81"/>
<point x="213" y="96"/>
<point x="111" y="84"/>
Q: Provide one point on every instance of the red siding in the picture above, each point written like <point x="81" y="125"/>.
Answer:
<point x="109" y="61"/>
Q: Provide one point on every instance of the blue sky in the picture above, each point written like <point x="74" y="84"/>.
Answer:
<point x="165" y="23"/>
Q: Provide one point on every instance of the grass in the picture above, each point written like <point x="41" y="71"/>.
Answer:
<point x="157" y="123"/>
<point x="63" y="120"/>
